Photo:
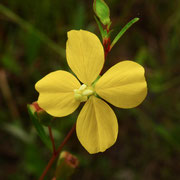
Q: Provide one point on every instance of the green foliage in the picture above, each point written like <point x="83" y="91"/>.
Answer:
<point x="9" y="63"/>
<point x="149" y="135"/>
<point x="16" y="130"/>
<point x="102" y="31"/>
<point x="33" y="161"/>
<point x="32" y="47"/>
<point x="39" y="127"/>
<point x="124" y="29"/>
<point x="30" y="28"/>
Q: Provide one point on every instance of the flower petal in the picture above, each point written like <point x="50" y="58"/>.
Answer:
<point x="97" y="126"/>
<point x="123" y="85"/>
<point x="85" y="55"/>
<point x="56" y="95"/>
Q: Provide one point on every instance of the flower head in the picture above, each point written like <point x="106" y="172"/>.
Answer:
<point x="60" y="93"/>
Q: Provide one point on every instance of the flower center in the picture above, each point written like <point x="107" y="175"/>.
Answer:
<point x="83" y="93"/>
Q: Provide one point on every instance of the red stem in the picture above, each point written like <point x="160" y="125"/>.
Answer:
<point x="107" y="43"/>
<point x="52" y="139"/>
<point x="57" y="152"/>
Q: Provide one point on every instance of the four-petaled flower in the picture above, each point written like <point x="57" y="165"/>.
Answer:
<point x="60" y="93"/>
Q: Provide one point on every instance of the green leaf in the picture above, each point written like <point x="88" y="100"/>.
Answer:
<point x="102" y="11"/>
<point x="102" y="31"/>
<point x="39" y="128"/>
<point x="123" y="30"/>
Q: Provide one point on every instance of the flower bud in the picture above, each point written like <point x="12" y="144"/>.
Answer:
<point x="66" y="165"/>
<point x="44" y="118"/>
<point x="102" y="11"/>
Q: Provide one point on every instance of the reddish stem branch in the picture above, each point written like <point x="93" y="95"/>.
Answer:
<point x="106" y="45"/>
<point x="52" y="140"/>
<point x="107" y="42"/>
<point x="54" y="156"/>
<point x="107" y="48"/>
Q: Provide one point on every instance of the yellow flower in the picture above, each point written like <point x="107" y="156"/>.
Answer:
<point x="60" y="93"/>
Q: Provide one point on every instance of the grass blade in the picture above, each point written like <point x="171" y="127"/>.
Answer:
<point x="30" y="28"/>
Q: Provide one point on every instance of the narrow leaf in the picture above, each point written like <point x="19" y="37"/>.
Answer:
<point x="103" y="33"/>
<point x="123" y="30"/>
<point x="39" y="128"/>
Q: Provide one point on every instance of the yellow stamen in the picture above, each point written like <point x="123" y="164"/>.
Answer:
<point x="83" y="93"/>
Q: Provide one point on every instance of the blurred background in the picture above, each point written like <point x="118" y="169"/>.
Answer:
<point x="33" y="36"/>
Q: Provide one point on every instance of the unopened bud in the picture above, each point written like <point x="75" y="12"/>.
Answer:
<point x="102" y="11"/>
<point x="43" y="116"/>
<point x="66" y="165"/>
<point x="35" y="107"/>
